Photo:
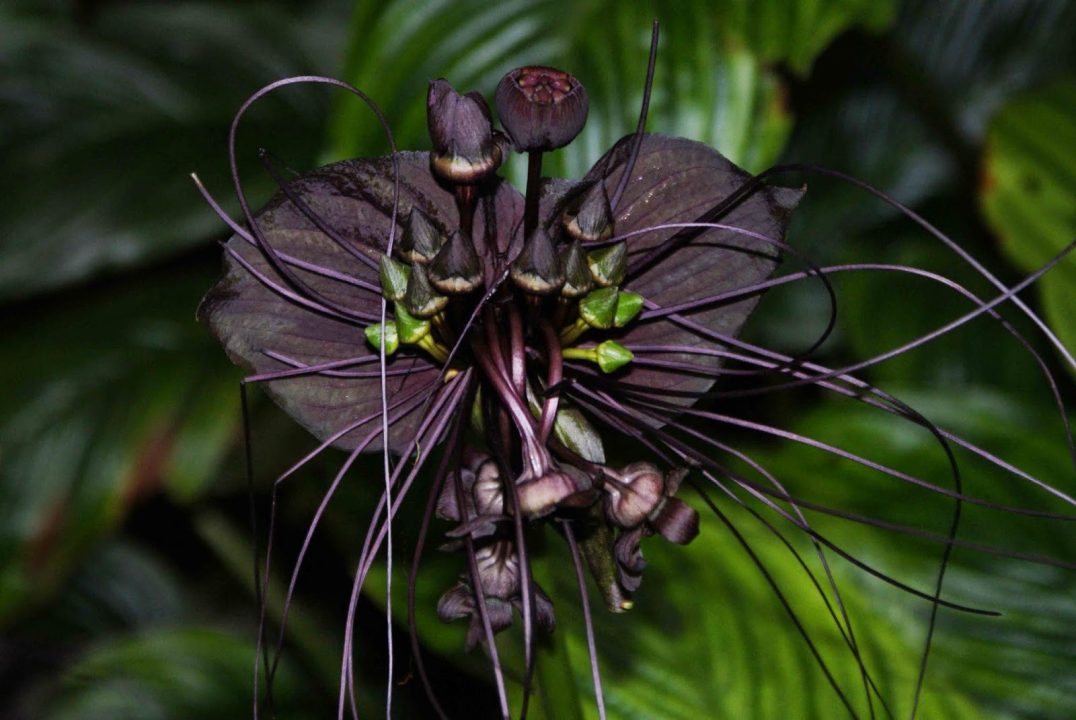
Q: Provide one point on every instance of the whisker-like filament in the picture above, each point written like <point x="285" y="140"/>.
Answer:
<point x="512" y="335"/>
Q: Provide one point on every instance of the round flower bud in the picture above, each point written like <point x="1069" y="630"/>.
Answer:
<point x="464" y="149"/>
<point x="541" y="108"/>
<point x="635" y="494"/>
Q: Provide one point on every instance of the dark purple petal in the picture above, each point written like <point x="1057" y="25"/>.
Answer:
<point x="354" y="198"/>
<point x="678" y="180"/>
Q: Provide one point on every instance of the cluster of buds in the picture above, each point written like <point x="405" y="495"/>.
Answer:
<point x="566" y="276"/>
<point x="474" y="498"/>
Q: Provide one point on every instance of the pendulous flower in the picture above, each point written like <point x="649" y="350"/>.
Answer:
<point x="520" y="333"/>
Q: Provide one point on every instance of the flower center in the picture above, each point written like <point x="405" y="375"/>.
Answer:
<point x="544" y="85"/>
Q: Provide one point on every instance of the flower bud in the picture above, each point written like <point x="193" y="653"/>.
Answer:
<point x="591" y="220"/>
<point x="420" y="239"/>
<point x="629" y="559"/>
<point x="628" y="305"/>
<point x="488" y="489"/>
<point x="392" y="338"/>
<point x="394" y="278"/>
<point x="448" y="507"/>
<point x="540" y="496"/>
<point x="632" y="497"/>
<point x="409" y="328"/>
<point x="676" y="521"/>
<point x="577" y="280"/>
<point x="598" y="308"/>
<point x="537" y="268"/>
<point x="542" y="108"/>
<point x="498" y="569"/>
<point x="543" y="609"/>
<point x="421" y="299"/>
<point x="457" y="269"/>
<point x="464" y="150"/>
<point x="609" y="265"/>
<point x="611" y="356"/>
<point x="457" y="603"/>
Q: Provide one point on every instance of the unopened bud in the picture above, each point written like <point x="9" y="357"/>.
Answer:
<point x="394" y="276"/>
<point x="598" y="308"/>
<point x="420" y="239"/>
<point x="542" y="108"/>
<point x="409" y="328"/>
<point x="422" y="300"/>
<point x="464" y="150"/>
<point x="628" y="305"/>
<point x="392" y="338"/>
<point x="591" y="220"/>
<point x="611" y="356"/>
<point x="498" y="569"/>
<point x="457" y="269"/>
<point x="609" y="264"/>
<point x="537" y="268"/>
<point x="577" y="280"/>
<point x="632" y="497"/>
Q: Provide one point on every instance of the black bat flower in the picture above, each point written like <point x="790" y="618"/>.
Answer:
<point x="420" y="305"/>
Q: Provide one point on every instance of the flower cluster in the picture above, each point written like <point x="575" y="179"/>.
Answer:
<point x="419" y="304"/>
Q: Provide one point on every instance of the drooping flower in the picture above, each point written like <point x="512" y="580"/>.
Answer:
<point x="521" y="330"/>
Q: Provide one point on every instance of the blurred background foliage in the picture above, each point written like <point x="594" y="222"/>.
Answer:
<point x="125" y="544"/>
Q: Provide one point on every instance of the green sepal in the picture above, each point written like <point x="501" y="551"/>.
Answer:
<point x="420" y="240"/>
<point x="572" y="428"/>
<point x="577" y="280"/>
<point x="421" y="299"/>
<point x="597" y="543"/>
<point x="628" y="305"/>
<point x="592" y="218"/>
<point x="537" y="268"/>
<point x="456" y="269"/>
<point x="609" y="265"/>
<point x="392" y="337"/>
<point x="410" y="328"/>
<point x="611" y="356"/>
<point x="598" y="308"/>
<point x="478" y="423"/>
<point x="394" y="276"/>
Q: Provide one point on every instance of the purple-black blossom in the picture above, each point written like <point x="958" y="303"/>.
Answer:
<point x="522" y="330"/>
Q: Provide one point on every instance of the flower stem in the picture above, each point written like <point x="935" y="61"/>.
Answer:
<point x="534" y="177"/>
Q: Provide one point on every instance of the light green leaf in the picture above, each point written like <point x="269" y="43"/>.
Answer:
<point x="101" y="124"/>
<point x="714" y="81"/>
<point x="188" y="673"/>
<point x="1029" y="192"/>
<point x="1008" y="664"/>
<point x="120" y="395"/>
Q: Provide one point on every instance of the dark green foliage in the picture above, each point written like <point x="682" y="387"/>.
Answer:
<point x="125" y="553"/>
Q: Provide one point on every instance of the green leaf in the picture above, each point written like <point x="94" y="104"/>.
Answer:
<point x="102" y="123"/>
<point x="714" y="81"/>
<point x="190" y="672"/>
<point x="1006" y="663"/>
<point x="1027" y="194"/>
<point x="103" y="414"/>
<point x="797" y="32"/>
